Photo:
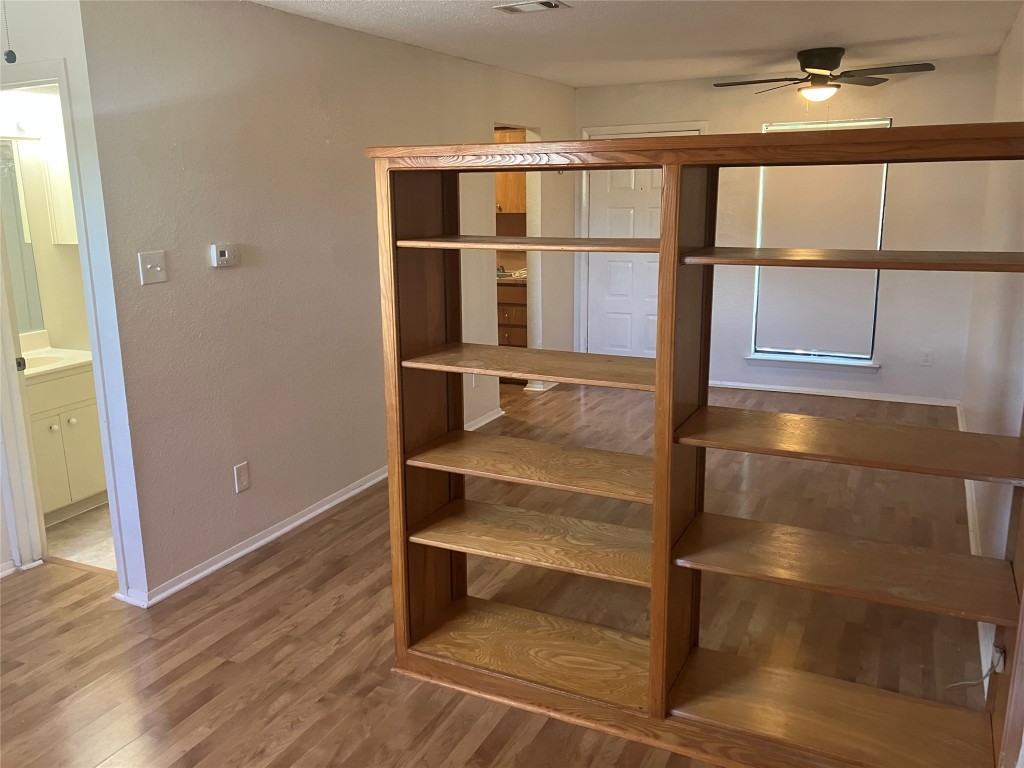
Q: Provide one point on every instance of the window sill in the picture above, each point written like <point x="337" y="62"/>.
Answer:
<point x="803" y="361"/>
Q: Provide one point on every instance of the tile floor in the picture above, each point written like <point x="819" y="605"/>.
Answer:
<point x="85" y="538"/>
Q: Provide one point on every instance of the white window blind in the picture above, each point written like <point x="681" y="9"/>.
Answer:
<point x="810" y="311"/>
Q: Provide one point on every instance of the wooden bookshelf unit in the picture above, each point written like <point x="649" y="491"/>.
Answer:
<point x="662" y="688"/>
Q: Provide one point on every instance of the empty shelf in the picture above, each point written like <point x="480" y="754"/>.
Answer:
<point x="945" y="452"/>
<point x="574" y="244"/>
<point x="583" y="659"/>
<point x="969" y="261"/>
<point x="572" y="544"/>
<point x="544" y="364"/>
<point x="846" y="721"/>
<point x="565" y="467"/>
<point x="976" y="588"/>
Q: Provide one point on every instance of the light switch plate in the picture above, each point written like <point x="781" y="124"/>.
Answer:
<point x="152" y="267"/>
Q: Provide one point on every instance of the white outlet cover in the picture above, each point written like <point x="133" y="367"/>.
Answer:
<point x="152" y="267"/>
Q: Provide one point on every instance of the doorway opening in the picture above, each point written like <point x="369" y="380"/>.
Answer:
<point x="48" y="308"/>
<point x="510" y="220"/>
<point x="618" y="292"/>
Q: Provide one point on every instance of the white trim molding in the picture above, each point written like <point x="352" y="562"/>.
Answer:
<point x="950" y="402"/>
<point x="7" y="567"/>
<point x="809" y="361"/>
<point x="194" y="574"/>
<point x="487" y="418"/>
<point x="986" y="632"/>
<point x="104" y="336"/>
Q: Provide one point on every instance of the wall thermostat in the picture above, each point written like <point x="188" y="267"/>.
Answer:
<point x="225" y="255"/>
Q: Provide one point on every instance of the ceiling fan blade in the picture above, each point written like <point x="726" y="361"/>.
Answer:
<point x="784" y="85"/>
<point x="760" y="82"/>
<point x="894" y="70"/>
<point x="858" y="80"/>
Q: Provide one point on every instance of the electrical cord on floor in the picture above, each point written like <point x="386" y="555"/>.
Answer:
<point x="997" y="660"/>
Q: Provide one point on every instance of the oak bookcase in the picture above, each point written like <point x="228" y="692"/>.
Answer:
<point x="664" y="689"/>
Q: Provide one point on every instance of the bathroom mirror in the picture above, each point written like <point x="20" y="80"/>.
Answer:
<point x="17" y="241"/>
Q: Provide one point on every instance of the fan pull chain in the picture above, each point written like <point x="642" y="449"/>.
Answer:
<point x="9" y="55"/>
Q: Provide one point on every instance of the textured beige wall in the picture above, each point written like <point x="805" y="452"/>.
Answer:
<point x="230" y="122"/>
<point x="994" y="373"/>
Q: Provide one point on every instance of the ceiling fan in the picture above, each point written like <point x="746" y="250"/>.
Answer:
<point x="819" y="64"/>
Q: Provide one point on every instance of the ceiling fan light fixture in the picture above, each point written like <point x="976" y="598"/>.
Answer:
<point x="818" y="92"/>
<point x="530" y="6"/>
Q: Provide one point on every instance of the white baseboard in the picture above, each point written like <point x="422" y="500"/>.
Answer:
<point x="487" y="418"/>
<point x="986" y="641"/>
<point x="837" y="393"/>
<point x="534" y="385"/>
<point x="986" y="632"/>
<point x="7" y="567"/>
<point x="969" y="497"/>
<point x="192" y="575"/>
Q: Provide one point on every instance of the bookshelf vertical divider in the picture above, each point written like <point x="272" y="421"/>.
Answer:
<point x="688" y="206"/>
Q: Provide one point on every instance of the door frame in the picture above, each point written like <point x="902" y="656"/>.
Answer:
<point x="581" y="296"/>
<point x="21" y="514"/>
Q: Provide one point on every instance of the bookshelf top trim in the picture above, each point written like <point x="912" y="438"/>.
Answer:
<point x="925" y="143"/>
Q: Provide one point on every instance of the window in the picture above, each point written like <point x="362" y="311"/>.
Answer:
<point x="824" y="315"/>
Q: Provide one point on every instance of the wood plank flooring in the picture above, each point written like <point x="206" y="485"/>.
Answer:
<point x="283" y="658"/>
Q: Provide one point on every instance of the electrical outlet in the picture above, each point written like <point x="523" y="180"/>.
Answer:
<point x="926" y="356"/>
<point x="241" y="477"/>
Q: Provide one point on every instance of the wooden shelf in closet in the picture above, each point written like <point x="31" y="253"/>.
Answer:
<point x="853" y="723"/>
<point x="571" y="544"/>
<point x="544" y="364"/>
<point x="965" y="586"/>
<point x="583" y="659"/>
<point x="573" y="244"/>
<point x="964" y="261"/>
<point x="565" y="467"/>
<point x="945" y="452"/>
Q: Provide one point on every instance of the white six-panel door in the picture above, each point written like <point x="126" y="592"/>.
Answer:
<point x="622" y="288"/>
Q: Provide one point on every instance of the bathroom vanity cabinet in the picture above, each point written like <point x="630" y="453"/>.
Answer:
<point x="65" y="438"/>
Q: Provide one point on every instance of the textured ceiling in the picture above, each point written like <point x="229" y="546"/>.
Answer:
<point x="602" y="42"/>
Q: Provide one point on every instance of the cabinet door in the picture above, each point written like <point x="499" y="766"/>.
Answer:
<point x="510" y="187"/>
<point x="82" y="451"/>
<point x="51" y="469"/>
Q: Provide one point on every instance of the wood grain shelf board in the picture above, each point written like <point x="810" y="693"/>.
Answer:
<point x="970" y="261"/>
<point x="610" y="474"/>
<point x="834" y="718"/>
<point x="545" y="364"/>
<point x="571" y="544"/>
<point x="571" y="244"/>
<point x="923" y="143"/>
<point x="583" y="659"/>
<point x="975" y="588"/>
<point x="945" y="452"/>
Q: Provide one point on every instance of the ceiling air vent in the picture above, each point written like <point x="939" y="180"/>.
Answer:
<point x="531" y="6"/>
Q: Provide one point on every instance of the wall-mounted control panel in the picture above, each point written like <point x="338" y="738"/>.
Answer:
<point x="224" y="255"/>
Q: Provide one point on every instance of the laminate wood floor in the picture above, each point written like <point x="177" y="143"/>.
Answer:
<point x="283" y="658"/>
